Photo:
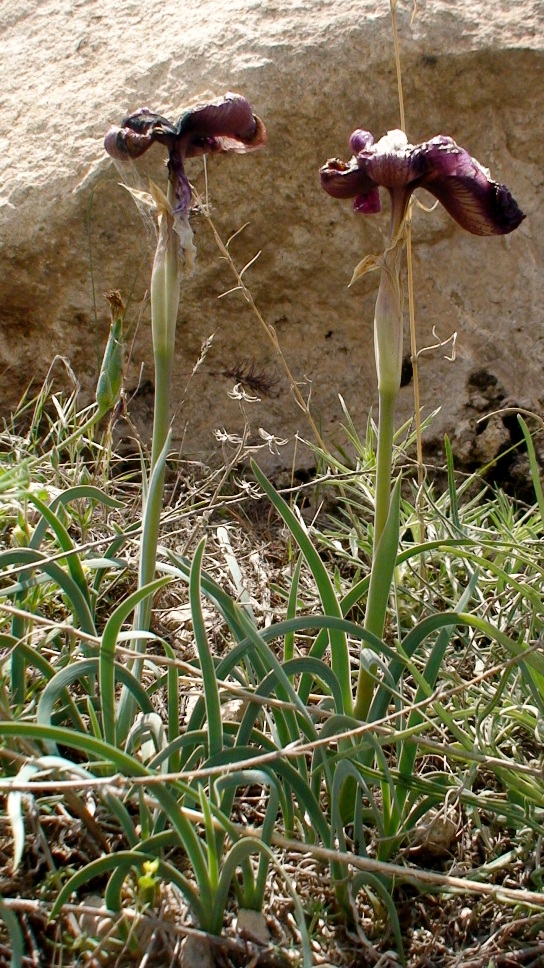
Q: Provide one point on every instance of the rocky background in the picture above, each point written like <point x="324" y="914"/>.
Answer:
<point x="313" y="70"/>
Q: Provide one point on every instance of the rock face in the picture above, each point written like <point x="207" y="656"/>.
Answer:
<point x="313" y="70"/>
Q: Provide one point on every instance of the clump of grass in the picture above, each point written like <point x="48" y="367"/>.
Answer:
<point x="243" y="743"/>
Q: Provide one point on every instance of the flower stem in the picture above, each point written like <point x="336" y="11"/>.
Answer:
<point x="388" y="352"/>
<point x="165" y="294"/>
<point x="384" y="460"/>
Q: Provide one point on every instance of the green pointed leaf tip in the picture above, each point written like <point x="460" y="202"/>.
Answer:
<point x="110" y="381"/>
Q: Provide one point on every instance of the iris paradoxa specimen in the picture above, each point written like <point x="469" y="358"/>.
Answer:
<point x="222" y="125"/>
<point x="479" y="204"/>
<point x="225" y="124"/>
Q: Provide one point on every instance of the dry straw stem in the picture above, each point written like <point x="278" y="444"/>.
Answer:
<point x="267" y="327"/>
<point x="411" y="299"/>
<point x="43" y="909"/>
<point x="431" y="878"/>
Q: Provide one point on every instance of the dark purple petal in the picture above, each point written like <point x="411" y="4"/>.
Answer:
<point x="360" y="140"/>
<point x="144" y="121"/>
<point x="226" y="124"/>
<point x="368" y="204"/>
<point x="123" y="144"/>
<point x="345" y="181"/>
<point x="182" y="188"/>
<point x="391" y="162"/>
<point x="137" y="133"/>
<point x="223" y="143"/>
<point x="479" y="204"/>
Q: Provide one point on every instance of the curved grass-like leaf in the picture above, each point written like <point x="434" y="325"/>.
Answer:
<point x="129" y="766"/>
<point x="207" y="666"/>
<point x="35" y="559"/>
<point x="219" y="598"/>
<point x="15" y="935"/>
<point x="107" y="655"/>
<point x="329" y="601"/>
<point x="256" y="638"/>
<point x="289" y="642"/>
<point x="291" y="778"/>
<point x="433" y="623"/>
<point x="29" y="771"/>
<point x="170" y="679"/>
<point x="432" y="668"/>
<point x="79" y="670"/>
<point x="28" y="652"/>
<point x="121" y="863"/>
<point x="251" y="892"/>
<point x="363" y="881"/>
<point x="65" y="543"/>
<point x="76" y="493"/>
<point x="78" y="601"/>
<point x="77" y="590"/>
<point x="14" y="810"/>
<point x="533" y="464"/>
<point x="245" y="848"/>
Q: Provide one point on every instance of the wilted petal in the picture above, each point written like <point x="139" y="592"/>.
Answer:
<point x="182" y="188"/>
<point x="144" y="121"/>
<point x="137" y="133"/>
<point x="225" y="143"/>
<point x="368" y="204"/>
<point x="343" y="180"/>
<point x="465" y="189"/>
<point x="391" y="162"/>
<point x="225" y="124"/>
<point x="360" y="139"/>
<point x="123" y="144"/>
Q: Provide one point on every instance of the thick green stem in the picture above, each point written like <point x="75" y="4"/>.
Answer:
<point x="388" y="351"/>
<point x="165" y="293"/>
<point x="154" y="499"/>
<point x="384" y="459"/>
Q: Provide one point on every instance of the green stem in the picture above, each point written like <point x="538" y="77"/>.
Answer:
<point x="154" y="499"/>
<point x="165" y="294"/>
<point x="384" y="460"/>
<point x="388" y="351"/>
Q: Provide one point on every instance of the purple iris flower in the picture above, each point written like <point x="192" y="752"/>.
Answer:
<point x="465" y="189"/>
<point x="225" y="124"/>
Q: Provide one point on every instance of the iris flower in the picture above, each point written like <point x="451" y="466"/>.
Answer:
<point x="463" y="186"/>
<point x="481" y="206"/>
<point x="225" y="124"/>
<point x="465" y="189"/>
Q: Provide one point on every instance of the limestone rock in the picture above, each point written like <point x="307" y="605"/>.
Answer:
<point x="313" y="71"/>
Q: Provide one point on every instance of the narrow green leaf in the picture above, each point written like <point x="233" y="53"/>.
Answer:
<point x="533" y="464"/>
<point x="329" y="601"/>
<point x="209" y="680"/>
<point x="15" y="935"/>
<point x="107" y="654"/>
